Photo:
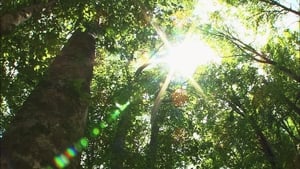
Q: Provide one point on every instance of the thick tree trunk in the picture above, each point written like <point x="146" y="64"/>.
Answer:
<point x="9" y="21"/>
<point x="53" y="116"/>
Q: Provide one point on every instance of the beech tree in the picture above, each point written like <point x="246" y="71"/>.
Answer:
<point x="58" y="105"/>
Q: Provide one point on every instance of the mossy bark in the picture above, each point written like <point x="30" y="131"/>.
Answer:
<point x="53" y="117"/>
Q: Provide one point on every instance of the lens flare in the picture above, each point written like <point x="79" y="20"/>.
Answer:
<point x="84" y="142"/>
<point x="61" y="161"/>
<point x="95" y="132"/>
<point x="122" y="107"/>
<point x="103" y="125"/>
<point x="70" y="152"/>
<point x="115" y="115"/>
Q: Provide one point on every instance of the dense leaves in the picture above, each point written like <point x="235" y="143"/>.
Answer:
<point x="241" y="113"/>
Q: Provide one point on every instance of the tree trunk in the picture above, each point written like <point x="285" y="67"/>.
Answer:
<point x="118" y="145"/>
<point x="262" y="140"/>
<point x="9" y="21"/>
<point x="153" y="146"/>
<point x="53" y="117"/>
<point x="264" y="144"/>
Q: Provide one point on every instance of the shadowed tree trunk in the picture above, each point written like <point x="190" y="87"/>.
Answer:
<point x="154" y="140"/>
<point x="118" y="145"/>
<point x="262" y="139"/>
<point x="264" y="144"/>
<point x="153" y="145"/>
<point x="53" y="116"/>
<point x="9" y="21"/>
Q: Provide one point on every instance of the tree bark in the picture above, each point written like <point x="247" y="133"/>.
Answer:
<point x="262" y="139"/>
<point x="118" y="145"/>
<point x="264" y="144"/>
<point x="53" y="117"/>
<point x="153" y="145"/>
<point x="9" y="21"/>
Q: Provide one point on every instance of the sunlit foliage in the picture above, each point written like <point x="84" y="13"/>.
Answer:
<point x="242" y="112"/>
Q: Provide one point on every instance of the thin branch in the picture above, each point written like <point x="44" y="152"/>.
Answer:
<point x="145" y="65"/>
<point x="248" y="48"/>
<point x="275" y="3"/>
<point x="288" y="130"/>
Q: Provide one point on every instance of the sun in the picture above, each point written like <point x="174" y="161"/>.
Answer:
<point x="184" y="57"/>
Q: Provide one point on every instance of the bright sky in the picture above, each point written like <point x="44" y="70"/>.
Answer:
<point x="294" y="4"/>
<point x="184" y="57"/>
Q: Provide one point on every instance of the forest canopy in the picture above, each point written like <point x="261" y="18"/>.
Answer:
<point x="150" y="84"/>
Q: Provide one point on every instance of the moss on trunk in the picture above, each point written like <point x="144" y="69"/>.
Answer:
<point x="53" y="116"/>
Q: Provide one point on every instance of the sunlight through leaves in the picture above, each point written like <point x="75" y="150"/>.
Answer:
<point x="63" y="160"/>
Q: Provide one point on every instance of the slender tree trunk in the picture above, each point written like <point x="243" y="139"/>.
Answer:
<point x="118" y="145"/>
<point x="53" y="117"/>
<point x="153" y="146"/>
<point x="264" y="144"/>
<point x="9" y="21"/>
<point x="262" y="140"/>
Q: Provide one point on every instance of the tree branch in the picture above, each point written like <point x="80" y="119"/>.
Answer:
<point x="246" y="48"/>
<point x="275" y="3"/>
